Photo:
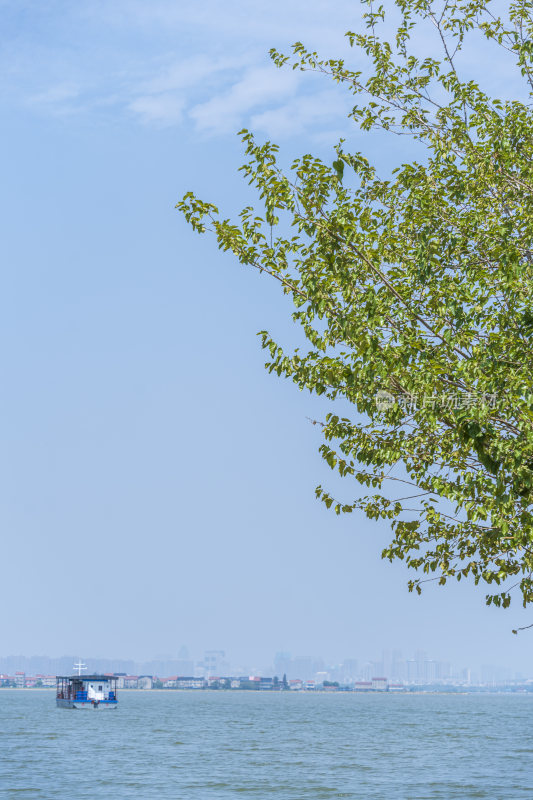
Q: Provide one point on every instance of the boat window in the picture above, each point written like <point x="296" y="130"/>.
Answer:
<point x="99" y="688"/>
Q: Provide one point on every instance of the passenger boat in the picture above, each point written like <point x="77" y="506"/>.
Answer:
<point x="93" y="692"/>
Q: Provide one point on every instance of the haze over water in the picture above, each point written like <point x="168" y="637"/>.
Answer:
<point x="225" y="745"/>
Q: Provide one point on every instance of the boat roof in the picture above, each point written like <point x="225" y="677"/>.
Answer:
<point x="87" y="677"/>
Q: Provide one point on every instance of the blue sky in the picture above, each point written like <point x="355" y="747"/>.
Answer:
<point x="158" y="483"/>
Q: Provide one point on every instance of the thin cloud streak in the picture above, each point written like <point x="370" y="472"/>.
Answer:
<point x="306" y="114"/>
<point x="58" y="100"/>
<point x="162" y="109"/>
<point x="121" y="61"/>
<point x="227" y="111"/>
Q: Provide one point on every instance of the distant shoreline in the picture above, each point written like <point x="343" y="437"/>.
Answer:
<point x="298" y="692"/>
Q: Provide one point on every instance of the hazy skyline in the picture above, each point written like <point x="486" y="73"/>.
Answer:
<point x="158" y="484"/>
<point x="393" y="664"/>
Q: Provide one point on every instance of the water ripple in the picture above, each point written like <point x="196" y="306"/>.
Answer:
<point x="222" y="745"/>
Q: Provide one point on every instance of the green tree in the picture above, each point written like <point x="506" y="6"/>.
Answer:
<point x="414" y="291"/>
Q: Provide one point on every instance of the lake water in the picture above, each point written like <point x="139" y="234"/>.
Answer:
<point x="215" y="745"/>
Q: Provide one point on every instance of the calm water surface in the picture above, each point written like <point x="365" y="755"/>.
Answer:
<point x="214" y="745"/>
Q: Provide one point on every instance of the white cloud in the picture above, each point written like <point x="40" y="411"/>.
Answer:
<point x="260" y="85"/>
<point x="307" y="114"/>
<point x="163" y="109"/>
<point x="167" y="62"/>
<point x="56" y="99"/>
<point x="203" y="66"/>
<point x="193" y="71"/>
<point x="163" y="97"/>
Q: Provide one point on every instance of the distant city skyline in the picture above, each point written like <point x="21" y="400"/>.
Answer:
<point x="411" y="668"/>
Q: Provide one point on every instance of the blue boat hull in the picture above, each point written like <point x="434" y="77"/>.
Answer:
<point x="97" y="705"/>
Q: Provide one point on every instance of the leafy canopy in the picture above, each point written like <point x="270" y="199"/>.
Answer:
<point x="415" y="292"/>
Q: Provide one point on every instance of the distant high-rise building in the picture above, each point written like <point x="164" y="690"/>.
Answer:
<point x="420" y="658"/>
<point x="430" y="671"/>
<point x="282" y="664"/>
<point x="466" y="675"/>
<point x="492" y="674"/>
<point x="398" y="667"/>
<point x="165" y="667"/>
<point x="349" y="670"/>
<point x="386" y="663"/>
<point x="412" y="670"/>
<point x="305" y="667"/>
<point x="214" y="663"/>
<point x="377" y="668"/>
<point x="444" y="670"/>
